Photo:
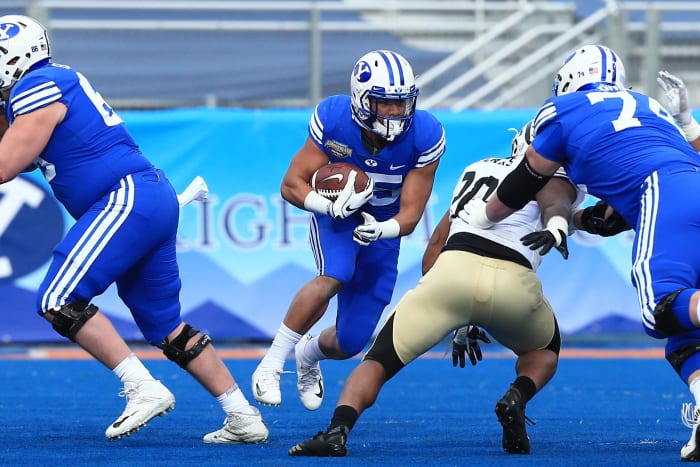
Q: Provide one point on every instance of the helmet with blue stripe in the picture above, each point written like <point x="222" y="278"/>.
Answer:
<point x="23" y="43"/>
<point x="590" y="67"/>
<point x="385" y="78"/>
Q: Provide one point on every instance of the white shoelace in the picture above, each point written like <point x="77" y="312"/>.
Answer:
<point x="690" y="414"/>
<point x="309" y="377"/>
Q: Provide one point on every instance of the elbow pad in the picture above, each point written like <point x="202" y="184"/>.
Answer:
<point x="521" y="185"/>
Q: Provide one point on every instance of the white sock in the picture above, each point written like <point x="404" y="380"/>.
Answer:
<point x="131" y="369"/>
<point x="234" y="400"/>
<point x="311" y="353"/>
<point x="281" y="346"/>
<point x="694" y="387"/>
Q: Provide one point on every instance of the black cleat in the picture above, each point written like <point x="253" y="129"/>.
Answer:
<point x="510" y="411"/>
<point x="329" y="443"/>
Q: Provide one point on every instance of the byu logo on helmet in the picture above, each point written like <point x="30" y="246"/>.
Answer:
<point x="31" y="224"/>
<point x="362" y="72"/>
<point x="8" y="31"/>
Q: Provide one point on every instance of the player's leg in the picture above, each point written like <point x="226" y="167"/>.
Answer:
<point x="422" y="318"/>
<point x="334" y="252"/>
<point x="520" y="318"/>
<point x="534" y="369"/>
<point x="151" y="291"/>
<point x="84" y="264"/>
<point x="666" y="274"/>
<point x="360" y="305"/>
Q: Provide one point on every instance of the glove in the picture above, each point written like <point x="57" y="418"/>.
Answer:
<point x="348" y="202"/>
<point x="677" y="97"/>
<point x="553" y="236"/>
<point x="372" y="230"/>
<point x="474" y="214"/>
<point x="466" y="341"/>
<point x="593" y="221"/>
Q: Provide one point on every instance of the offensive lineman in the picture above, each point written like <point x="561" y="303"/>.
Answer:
<point x="126" y="214"/>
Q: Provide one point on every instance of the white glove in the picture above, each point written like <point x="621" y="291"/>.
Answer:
<point x="474" y="214"/>
<point x="348" y="201"/>
<point x="677" y="97"/>
<point x="372" y="230"/>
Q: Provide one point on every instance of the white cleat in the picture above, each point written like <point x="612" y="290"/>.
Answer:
<point x="240" y="428"/>
<point x="309" y="378"/>
<point x="266" y="386"/>
<point x="144" y="401"/>
<point x="691" y="419"/>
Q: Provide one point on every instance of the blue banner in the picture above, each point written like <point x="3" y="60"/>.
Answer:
<point x="244" y="253"/>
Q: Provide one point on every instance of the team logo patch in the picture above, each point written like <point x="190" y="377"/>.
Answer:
<point x="31" y="224"/>
<point x="8" y="31"/>
<point x="339" y="150"/>
<point x="362" y="72"/>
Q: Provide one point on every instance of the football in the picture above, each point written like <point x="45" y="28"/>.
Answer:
<point x="329" y="180"/>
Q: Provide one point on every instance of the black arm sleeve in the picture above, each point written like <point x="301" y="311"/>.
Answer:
<point x="521" y="185"/>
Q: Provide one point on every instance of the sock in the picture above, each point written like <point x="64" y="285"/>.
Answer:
<point x="344" y="415"/>
<point x="311" y="353"/>
<point x="526" y="387"/>
<point x="281" y="346"/>
<point x="234" y="400"/>
<point x="131" y="369"/>
<point x="694" y="387"/>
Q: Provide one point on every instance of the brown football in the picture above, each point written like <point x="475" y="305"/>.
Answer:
<point x="329" y="180"/>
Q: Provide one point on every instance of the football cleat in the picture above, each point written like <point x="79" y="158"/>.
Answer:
<point x="329" y="443"/>
<point x="510" y="411"/>
<point x="144" y="401"/>
<point x="309" y="378"/>
<point x="691" y="419"/>
<point x="240" y="428"/>
<point x="266" y="385"/>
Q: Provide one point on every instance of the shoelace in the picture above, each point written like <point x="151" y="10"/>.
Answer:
<point x="309" y="377"/>
<point x="130" y="393"/>
<point x="270" y="379"/>
<point x="690" y="417"/>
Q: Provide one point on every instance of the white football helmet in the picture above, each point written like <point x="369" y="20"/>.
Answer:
<point x="383" y="75"/>
<point x="589" y="67"/>
<point x="23" y="42"/>
<point x="522" y="139"/>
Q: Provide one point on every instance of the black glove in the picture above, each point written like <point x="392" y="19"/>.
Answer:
<point x="544" y="240"/>
<point x="593" y="221"/>
<point x="466" y="341"/>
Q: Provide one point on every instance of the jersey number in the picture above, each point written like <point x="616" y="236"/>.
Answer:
<point x="108" y="114"/>
<point x="626" y="118"/>
<point x="469" y="188"/>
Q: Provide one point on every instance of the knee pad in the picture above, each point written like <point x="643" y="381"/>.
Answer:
<point x="678" y="357"/>
<point x="665" y="320"/>
<point x="175" y="350"/>
<point x="383" y="351"/>
<point x="68" y="319"/>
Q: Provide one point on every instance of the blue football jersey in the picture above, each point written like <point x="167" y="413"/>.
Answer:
<point x="91" y="150"/>
<point x="610" y="142"/>
<point x="332" y="128"/>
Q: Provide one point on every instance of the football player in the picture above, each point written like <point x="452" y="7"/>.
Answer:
<point x="126" y="216"/>
<point x="626" y="148"/>
<point x="355" y="239"/>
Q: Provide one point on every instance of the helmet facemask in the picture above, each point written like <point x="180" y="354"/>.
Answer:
<point x="522" y="139"/>
<point x="383" y="80"/>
